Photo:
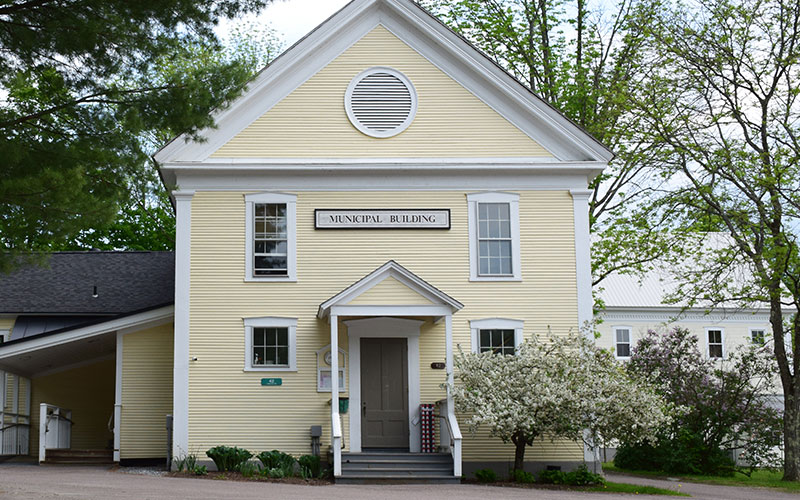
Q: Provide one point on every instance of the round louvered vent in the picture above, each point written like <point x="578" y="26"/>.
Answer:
<point x="381" y="102"/>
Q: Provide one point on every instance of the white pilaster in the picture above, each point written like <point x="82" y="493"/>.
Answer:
<point x="180" y="397"/>
<point x="583" y="259"/>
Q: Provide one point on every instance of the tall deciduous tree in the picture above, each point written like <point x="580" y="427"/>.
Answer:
<point x="78" y="96"/>
<point x="590" y="64"/>
<point x="555" y="386"/>
<point x="724" y="104"/>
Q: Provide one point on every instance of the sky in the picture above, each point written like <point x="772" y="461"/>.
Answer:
<point x="292" y="18"/>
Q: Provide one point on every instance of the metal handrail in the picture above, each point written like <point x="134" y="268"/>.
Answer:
<point x="14" y="425"/>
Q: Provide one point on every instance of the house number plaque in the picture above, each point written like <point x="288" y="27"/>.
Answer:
<point x="271" y="381"/>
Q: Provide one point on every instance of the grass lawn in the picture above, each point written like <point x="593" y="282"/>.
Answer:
<point x="760" y="478"/>
<point x="635" y="489"/>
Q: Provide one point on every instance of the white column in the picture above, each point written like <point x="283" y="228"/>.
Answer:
<point x="15" y="411"/>
<point x="42" y="431"/>
<point x="336" y="426"/>
<point x="583" y="259"/>
<point x="455" y="432"/>
<point x="118" y="399"/>
<point x="180" y="390"/>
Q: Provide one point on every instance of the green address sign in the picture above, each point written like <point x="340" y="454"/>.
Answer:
<point x="271" y="381"/>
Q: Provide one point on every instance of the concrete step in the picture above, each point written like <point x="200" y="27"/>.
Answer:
<point x="390" y="471"/>
<point x="79" y="457"/>
<point x="397" y="479"/>
<point x="399" y="464"/>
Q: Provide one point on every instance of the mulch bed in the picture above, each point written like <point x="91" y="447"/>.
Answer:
<point x="236" y="476"/>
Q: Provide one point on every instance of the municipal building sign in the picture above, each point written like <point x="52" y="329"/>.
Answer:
<point x="417" y="218"/>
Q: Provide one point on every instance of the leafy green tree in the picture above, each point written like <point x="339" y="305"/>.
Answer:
<point x="146" y="220"/>
<point x="724" y="105"/>
<point x="590" y="64"/>
<point x="83" y="83"/>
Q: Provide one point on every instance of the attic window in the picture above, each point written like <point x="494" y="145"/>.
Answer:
<point x="381" y="102"/>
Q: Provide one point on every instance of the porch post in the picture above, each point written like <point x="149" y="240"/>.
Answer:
<point x="336" y="424"/>
<point x="118" y="399"/>
<point x="455" y="432"/>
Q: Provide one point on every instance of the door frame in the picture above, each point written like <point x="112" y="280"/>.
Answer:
<point x="384" y="327"/>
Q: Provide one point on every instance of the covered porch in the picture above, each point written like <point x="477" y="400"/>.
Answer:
<point x="394" y="320"/>
<point x="64" y="389"/>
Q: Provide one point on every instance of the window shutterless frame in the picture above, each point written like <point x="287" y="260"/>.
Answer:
<point x="715" y="343"/>
<point x="622" y="342"/>
<point x="758" y="336"/>
<point x="265" y="324"/>
<point x="492" y="231"/>
<point x="491" y="328"/>
<point x="290" y="236"/>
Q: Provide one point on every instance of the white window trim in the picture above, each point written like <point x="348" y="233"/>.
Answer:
<point x="270" y="322"/>
<point x="477" y="325"/>
<point x="291" y="234"/>
<point x="630" y="339"/>
<point x="722" y="341"/>
<point x="322" y="366"/>
<point x="760" y="329"/>
<point x="473" y="200"/>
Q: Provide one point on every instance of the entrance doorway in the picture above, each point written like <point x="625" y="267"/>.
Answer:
<point x="384" y="393"/>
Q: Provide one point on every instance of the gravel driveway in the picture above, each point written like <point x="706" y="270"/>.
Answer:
<point x="32" y="482"/>
<point x="706" y="491"/>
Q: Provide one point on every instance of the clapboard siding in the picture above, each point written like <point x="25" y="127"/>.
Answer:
<point x="146" y="392"/>
<point x="229" y="406"/>
<point x="311" y="121"/>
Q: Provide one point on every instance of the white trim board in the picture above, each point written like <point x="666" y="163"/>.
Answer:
<point x="384" y="328"/>
<point x="134" y="320"/>
<point x="431" y="39"/>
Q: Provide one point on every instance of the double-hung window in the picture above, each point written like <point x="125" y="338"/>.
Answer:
<point x="271" y="239"/>
<point x="622" y="342"/>
<point x="757" y="336"/>
<point x="494" y="236"/>
<point x="496" y="335"/>
<point x="270" y="344"/>
<point x="715" y="345"/>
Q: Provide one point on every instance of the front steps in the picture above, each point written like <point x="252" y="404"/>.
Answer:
<point x="397" y="467"/>
<point x="79" y="457"/>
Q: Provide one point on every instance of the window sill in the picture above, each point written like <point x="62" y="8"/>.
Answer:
<point x="278" y="279"/>
<point x="495" y="278"/>
<point x="269" y="369"/>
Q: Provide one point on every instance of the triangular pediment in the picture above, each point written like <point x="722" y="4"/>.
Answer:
<point x="449" y="121"/>
<point x="468" y="106"/>
<point x="390" y="285"/>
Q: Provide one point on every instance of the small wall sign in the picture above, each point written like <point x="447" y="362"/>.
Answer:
<point x="379" y="218"/>
<point x="271" y="381"/>
<point x="437" y="365"/>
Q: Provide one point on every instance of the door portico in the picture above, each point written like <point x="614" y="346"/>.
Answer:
<point x="387" y="320"/>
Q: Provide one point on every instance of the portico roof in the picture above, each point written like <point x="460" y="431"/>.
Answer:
<point x="440" y="302"/>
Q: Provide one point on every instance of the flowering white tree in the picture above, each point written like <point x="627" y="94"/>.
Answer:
<point x="557" y="386"/>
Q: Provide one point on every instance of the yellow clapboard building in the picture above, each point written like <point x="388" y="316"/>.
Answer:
<point x="381" y="196"/>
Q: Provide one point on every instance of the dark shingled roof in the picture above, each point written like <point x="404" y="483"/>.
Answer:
<point x="125" y="281"/>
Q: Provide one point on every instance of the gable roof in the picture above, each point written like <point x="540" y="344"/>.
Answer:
<point x="125" y="281"/>
<point x="398" y="272"/>
<point x="423" y="33"/>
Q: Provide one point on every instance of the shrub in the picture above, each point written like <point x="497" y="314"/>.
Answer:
<point x="520" y="476"/>
<point x="552" y="477"/>
<point x="583" y="477"/>
<point x="277" y="463"/>
<point x="579" y="477"/>
<point x="485" y="476"/>
<point x="310" y="466"/>
<point x="228" y="458"/>
<point x="249" y="469"/>
<point x="723" y="405"/>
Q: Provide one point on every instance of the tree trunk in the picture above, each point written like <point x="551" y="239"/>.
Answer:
<point x="519" y="452"/>
<point x="791" y="437"/>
